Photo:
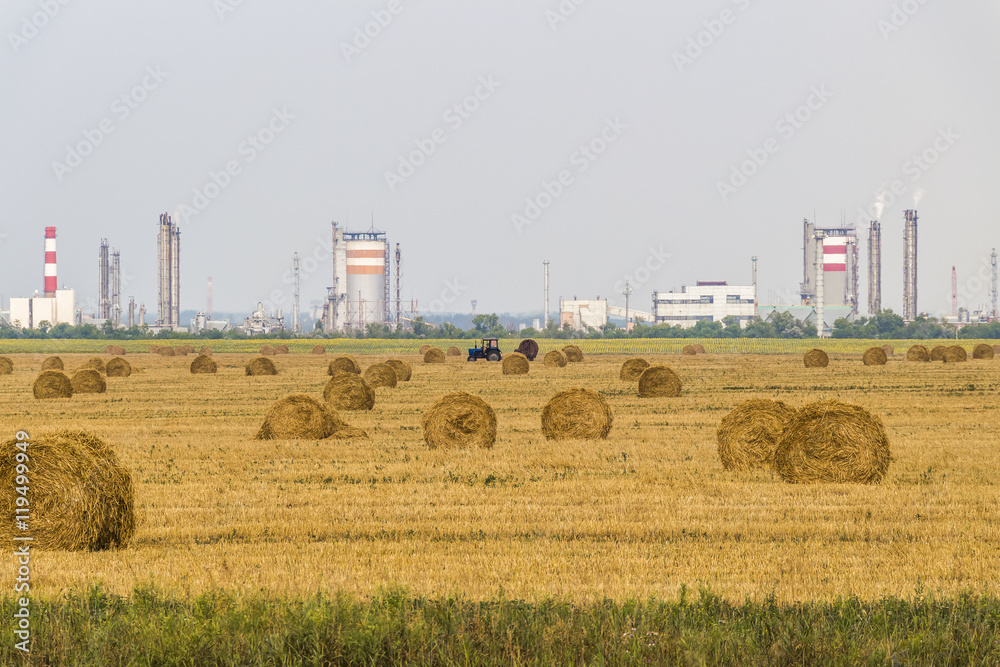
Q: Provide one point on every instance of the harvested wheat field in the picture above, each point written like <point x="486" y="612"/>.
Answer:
<point x="641" y="513"/>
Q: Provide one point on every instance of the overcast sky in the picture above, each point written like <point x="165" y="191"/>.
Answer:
<point x="622" y="122"/>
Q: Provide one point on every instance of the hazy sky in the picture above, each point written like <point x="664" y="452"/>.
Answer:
<point x="622" y="121"/>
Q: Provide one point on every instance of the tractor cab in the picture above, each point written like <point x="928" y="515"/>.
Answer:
<point x="489" y="350"/>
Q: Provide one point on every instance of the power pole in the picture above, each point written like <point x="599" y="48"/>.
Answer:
<point x="994" y="285"/>
<point x="295" y="296"/>
<point x="546" y="264"/>
<point x="627" y="292"/>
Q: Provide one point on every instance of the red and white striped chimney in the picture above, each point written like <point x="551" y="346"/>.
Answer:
<point x="50" y="262"/>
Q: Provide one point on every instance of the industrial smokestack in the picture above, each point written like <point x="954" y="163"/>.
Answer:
<point x="874" y="268"/>
<point x="103" y="284"/>
<point x="546" y="264"/>
<point x="295" y="296"/>
<point x="910" y="266"/>
<point x="208" y="304"/>
<point x="994" y="284"/>
<point x="820" y="316"/>
<point x="754" y="260"/>
<point x="168" y="245"/>
<point x="51" y="281"/>
<point x="954" y="292"/>
<point x="116" y="288"/>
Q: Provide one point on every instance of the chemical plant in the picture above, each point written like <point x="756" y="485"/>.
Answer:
<point x="57" y="306"/>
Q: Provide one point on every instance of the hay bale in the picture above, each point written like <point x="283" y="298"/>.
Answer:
<point x="918" y="353"/>
<point x="816" y="358"/>
<point x="115" y="350"/>
<point x="96" y="363"/>
<point x="434" y="356"/>
<point x="167" y="352"/>
<point x="89" y="381"/>
<point x="207" y="351"/>
<point x="454" y="352"/>
<point x="460" y="420"/>
<point x="982" y="351"/>
<point x="659" y="381"/>
<point x="318" y="349"/>
<point x="689" y="350"/>
<point x="261" y="366"/>
<point x="555" y="358"/>
<point x="874" y="356"/>
<point x="6" y="366"/>
<point x="82" y="497"/>
<point x="529" y="348"/>
<point x="699" y="348"/>
<point x="830" y="441"/>
<point x="573" y="353"/>
<point x="380" y="375"/>
<point x="937" y="354"/>
<point x="748" y="436"/>
<point x="403" y="369"/>
<point x="424" y="348"/>
<point x="996" y="349"/>
<point x="888" y="349"/>
<point x="515" y="363"/>
<point x="154" y="349"/>
<point x="52" y="364"/>
<point x="52" y="384"/>
<point x="955" y="354"/>
<point x="118" y="368"/>
<point x="281" y="349"/>
<point x="347" y="391"/>
<point x="182" y="351"/>
<point x="632" y="369"/>
<point x="204" y="365"/>
<point x="343" y="363"/>
<point x="268" y="351"/>
<point x="299" y="416"/>
<point x="576" y="414"/>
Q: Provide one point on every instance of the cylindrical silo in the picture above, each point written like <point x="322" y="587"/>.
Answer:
<point x="366" y="264"/>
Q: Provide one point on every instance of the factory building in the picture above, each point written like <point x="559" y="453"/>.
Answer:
<point x="581" y="315"/>
<point x="711" y="301"/>
<point x="58" y="306"/>
<point x="262" y="322"/>
<point x="840" y="265"/>
<point x="360" y="292"/>
<point x="168" y="246"/>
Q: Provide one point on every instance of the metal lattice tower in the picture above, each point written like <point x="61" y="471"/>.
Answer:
<point x="296" y="328"/>
<point x="994" y="284"/>
<point x="954" y="292"/>
<point x="116" y="288"/>
<point x="103" y="284"/>
<point x="399" y="278"/>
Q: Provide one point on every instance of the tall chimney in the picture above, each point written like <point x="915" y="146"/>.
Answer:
<point x="910" y="266"/>
<point x="874" y="268"/>
<point x="820" y="315"/>
<point x="546" y="321"/>
<point x="103" y="288"/>
<point x="51" y="282"/>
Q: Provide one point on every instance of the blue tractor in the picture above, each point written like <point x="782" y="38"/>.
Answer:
<point x="489" y="350"/>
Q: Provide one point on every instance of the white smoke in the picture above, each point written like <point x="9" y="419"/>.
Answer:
<point x="879" y="204"/>
<point x="917" y="196"/>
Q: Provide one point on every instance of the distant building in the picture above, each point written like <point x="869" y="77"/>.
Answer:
<point x="707" y="301"/>
<point x="29" y="312"/>
<point x="262" y="322"/>
<point x="201" y="323"/>
<point x="581" y="315"/>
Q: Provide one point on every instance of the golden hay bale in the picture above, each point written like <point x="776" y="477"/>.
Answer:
<point x="748" y="436"/>
<point x="937" y="354"/>
<point x="576" y="414"/>
<point x="82" y="497"/>
<point x="632" y="369"/>
<point x="281" y="349"/>
<point x="556" y="358"/>
<point x="347" y="391"/>
<point x="460" y="420"/>
<point x="343" y="363"/>
<point x="918" y="353"/>
<point x="268" y="350"/>
<point x="982" y="351"/>
<point x="6" y="366"/>
<point x="167" y="352"/>
<point x="659" y="381"/>
<point x="573" y="353"/>
<point x="319" y="349"/>
<point x="996" y="349"/>
<point x="434" y="356"/>
<point x="118" y="368"/>
<point x="182" y="351"/>
<point x="207" y="351"/>
<point x="888" y="349"/>
<point x="529" y="348"/>
<point x="116" y="350"/>
<point x="515" y="363"/>
<point x="830" y="441"/>
<point x="454" y="352"/>
<point x="96" y="363"/>
<point x="52" y="384"/>
<point x="261" y="366"/>
<point x="816" y="358"/>
<point x="204" y="365"/>
<point x="52" y="364"/>
<point x="403" y="369"/>
<point x="154" y="349"/>
<point x="955" y="354"/>
<point x="689" y="350"/>
<point x="424" y="348"/>
<point x="380" y="375"/>
<point x="699" y="348"/>
<point x="303" y="417"/>
<point x="89" y="381"/>
<point x="874" y="356"/>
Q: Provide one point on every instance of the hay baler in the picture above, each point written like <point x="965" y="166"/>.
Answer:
<point x="489" y="350"/>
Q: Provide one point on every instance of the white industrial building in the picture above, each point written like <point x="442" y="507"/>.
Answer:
<point x="583" y="314"/>
<point x="28" y="312"/>
<point x="709" y="301"/>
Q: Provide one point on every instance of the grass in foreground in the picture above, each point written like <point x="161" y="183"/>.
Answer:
<point x="394" y="628"/>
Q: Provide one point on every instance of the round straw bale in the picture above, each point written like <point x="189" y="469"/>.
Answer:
<point x="96" y="363"/>
<point x="424" y="348"/>
<point x="982" y="351"/>
<point x="52" y="384"/>
<point x="261" y="366"/>
<point x="529" y="348"/>
<point x="167" y="352"/>
<point x="434" y="356"/>
<point x="118" y="368"/>
<point x="116" y="350"/>
<point x="318" y="349"/>
<point x="515" y="363"/>
<point x="89" y="381"/>
<point x="888" y="349"/>
<point x="996" y="349"/>
<point x="85" y="496"/>
<point x="555" y="358"/>
<point x="689" y="350"/>
<point x="303" y="417"/>
<point x="6" y="366"/>
<point x="403" y="369"/>
<point x="659" y="381"/>
<point x="748" y="436"/>
<point x="632" y="369"/>
<point x="918" y="353"/>
<point x="576" y="414"/>
<point x="955" y="354"/>
<point x="874" y="356"/>
<point x="699" y="348"/>
<point x="207" y="351"/>
<point x="267" y="350"/>
<point x="182" y="351"/>
<point x="573" y="353"/>
<point x="343" y="363"/>
<point x="937" y="354"/>
<point x="460" y="420"/>
<point x="347" y="391"/>
<point x="830" y="441"/>
<point x="204" y="364"/>
<point x="52" y="364"/>
<point x="154" y="349"/>
<point x="281" y="349"/>
<point x="816" y="358"/>
<point x="380" y="375"/>
<point x="454" y="352"/>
